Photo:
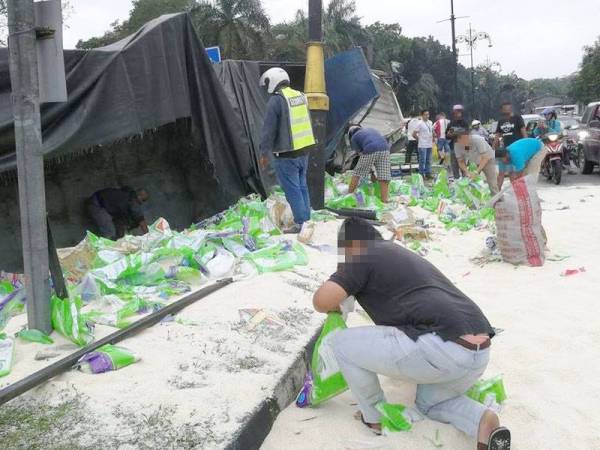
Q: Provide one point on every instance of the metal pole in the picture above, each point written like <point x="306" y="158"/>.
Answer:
<point x="454" y="52"/>
<point x="471" y="43"/>
<point x="318" y="101"/>
<point x="30" y="161"/>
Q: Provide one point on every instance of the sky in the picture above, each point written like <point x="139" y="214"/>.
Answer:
<point x="535" y="39"/>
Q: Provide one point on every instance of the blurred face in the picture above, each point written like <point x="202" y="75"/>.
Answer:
<point x="143" y="196"/>
<point x="506" y="110"/>
<point x="463" y="139"/>
<point x="425" y="115"/>
<point x="458" y="113"/>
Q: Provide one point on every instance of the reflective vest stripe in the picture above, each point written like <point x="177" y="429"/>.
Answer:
<point x="300" y="125"/>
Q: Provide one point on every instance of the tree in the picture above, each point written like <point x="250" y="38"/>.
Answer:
<point x="342" y="29"/>
<point x="237" y="26"/>
<point x="287" y="40"/>
<point x="142" y="12"/>
<point x="586" y="86"/>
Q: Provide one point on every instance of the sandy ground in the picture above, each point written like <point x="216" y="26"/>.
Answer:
<point x="198" y="379"/>
<point x="548" y="354"/>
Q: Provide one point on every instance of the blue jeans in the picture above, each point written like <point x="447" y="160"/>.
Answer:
<point x="443" y="145"/>
<point x="442" y="371"/>
<point x="292" y="177"/>
<point x="425" y="161"/>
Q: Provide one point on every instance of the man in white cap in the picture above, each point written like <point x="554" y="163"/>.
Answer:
<point x="287" y="137"/>
<point x="477" y="129"/>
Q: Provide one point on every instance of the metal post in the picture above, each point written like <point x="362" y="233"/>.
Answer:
<point x="454" y="52"/>
<point x="316" y="92"/>
<point x="471" y="44"/>
<point x="30" y="161"/>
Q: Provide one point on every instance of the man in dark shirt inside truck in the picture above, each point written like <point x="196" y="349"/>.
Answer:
<point x="426" y="331"/>
<point x="116" y="211"/>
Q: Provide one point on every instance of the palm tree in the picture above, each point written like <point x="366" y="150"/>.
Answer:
<point x="342" y="28"/>
<point x="239" y="27"/>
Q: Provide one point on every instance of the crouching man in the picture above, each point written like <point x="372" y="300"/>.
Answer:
<point x="472" y="148"/>
<point x="426" y="332"/>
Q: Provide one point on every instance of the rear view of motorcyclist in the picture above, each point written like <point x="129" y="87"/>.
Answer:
<point x="551" y="125"/>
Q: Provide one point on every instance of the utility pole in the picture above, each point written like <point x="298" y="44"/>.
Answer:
<point x="471" y="39"/>
<point x="453" y="20"/>
<point x="30" y="160"/>
<point x="318" y="102"/>
<point x="454" y="53"/>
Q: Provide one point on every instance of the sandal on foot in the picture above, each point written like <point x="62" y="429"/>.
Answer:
<point x="371" y="426"/>
<point x="498" y="440"/>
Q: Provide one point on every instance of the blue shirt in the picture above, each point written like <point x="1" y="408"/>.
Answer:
<point x="522" y="151"/>
<point x="552" y="126"/>
<point x="368" y="140"/>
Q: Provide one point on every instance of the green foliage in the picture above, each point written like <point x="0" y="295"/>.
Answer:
<point x="586" y="87"/>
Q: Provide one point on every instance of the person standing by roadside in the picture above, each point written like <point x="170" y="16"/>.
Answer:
<point x="424" y="134"/>
<point x="287" y="136"/>
<point x="440" y="127"/>
<point x="472" y="148"/>
<point x="374" y="151"/>
<point x="457" y="121"/>
<point x="511" y="128"/>
<point x="411" y="146"/>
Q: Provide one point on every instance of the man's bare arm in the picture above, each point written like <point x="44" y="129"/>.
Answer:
<point x="329" y="297"/>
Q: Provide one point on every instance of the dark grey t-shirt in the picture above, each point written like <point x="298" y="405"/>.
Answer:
<point x="399" y="288"/>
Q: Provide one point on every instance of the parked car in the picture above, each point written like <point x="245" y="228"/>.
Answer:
<point x="589" y="137"/>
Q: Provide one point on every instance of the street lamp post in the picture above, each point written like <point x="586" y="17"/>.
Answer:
<point x="471" y="39"/>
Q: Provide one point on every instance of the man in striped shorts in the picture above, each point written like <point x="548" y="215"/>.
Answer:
<point x="374" y="151"/>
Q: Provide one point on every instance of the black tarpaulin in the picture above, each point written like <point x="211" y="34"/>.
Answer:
<point x="249" y="101"/>
<point x="149" y="79"/>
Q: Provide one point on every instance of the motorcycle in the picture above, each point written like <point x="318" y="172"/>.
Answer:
<point x="552" y="166"/>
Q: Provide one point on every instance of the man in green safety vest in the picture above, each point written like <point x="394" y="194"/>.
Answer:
<point x="287" y="137"/>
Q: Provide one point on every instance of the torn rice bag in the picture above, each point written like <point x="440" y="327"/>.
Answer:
<point x="11" y="305"/>
<point x="68" y="321"/>
<point x="255" y="317"/>
<point x="116" y="312"/>
<point x="33" y="335"/>
<point x="280" y="211"/>
<point x="106" y="358"/>
<point x="185" y="274"/>
<point x="88" y="289"/>
<point x="221" y="265"/>
<point x="278" y="257"/>
<point x="490" y="392"/>
<point x="324" y="379"/>
<point x="7" y="355"/>
<point x="394" y="417"/>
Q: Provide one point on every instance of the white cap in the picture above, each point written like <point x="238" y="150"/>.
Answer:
<point x="475" y="122"/>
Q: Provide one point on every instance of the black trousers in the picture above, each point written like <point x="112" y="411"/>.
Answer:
<point x="411" y="148"/>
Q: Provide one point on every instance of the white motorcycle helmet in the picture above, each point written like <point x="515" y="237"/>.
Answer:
<point x="272" y="78"/>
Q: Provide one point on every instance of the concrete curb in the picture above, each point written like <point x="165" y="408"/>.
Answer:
<point x="258" y="425"/>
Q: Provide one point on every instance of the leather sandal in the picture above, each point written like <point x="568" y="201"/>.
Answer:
<point x="499" y="440"/>
<point x="371" y="426"/>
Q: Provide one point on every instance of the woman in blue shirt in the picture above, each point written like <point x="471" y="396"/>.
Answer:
<point x="550" y="126"/>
